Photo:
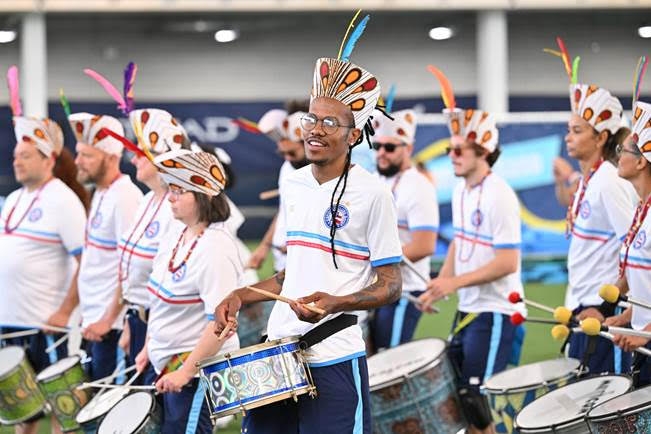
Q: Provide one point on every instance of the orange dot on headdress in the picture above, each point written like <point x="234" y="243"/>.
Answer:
<point x="285" y="124"/>
<point x="79" y="127"/>
<point x="577" y="95"/>
<point x="486" y="137"/>
<point x="351" y="78"/>
<point x="297" y="132"/>
<point x="27" y="139"/>
<point x="591" y="89"/>
<point x="324" y="70"/>
<point x="587" y="114"/>
<point x="198" y="180"/>
<point x="153" y="138"/>
<point x="144" y="117"/>
<point x="178" y="138"/>
<point x="604" y="116"/>
<point x="409" y="118"/>
<point x="646" y="147"/>
<point x="172" y="164"/>
<point x="472" y="136"/>
<point x="174" y="122"/>
<point x="638" y="113"/>
<point x="38" y="133"/>
<point x="468" y="116"/>
<point x="455" y="126"/>
<point x="401" y="132"/>
<point x="217" y="174"/>
<point x="357" y="105"/>
<point x="367" y="86"/>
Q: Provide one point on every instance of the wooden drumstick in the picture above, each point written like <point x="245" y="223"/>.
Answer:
<point x="286" y="300"/>
<point x="269" y="194"/>
<point x="228" y="328"/>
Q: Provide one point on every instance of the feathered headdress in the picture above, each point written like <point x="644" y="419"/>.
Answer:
<point x="476" y="126"/>
<point x="196" y="171"/>
<point x="593" y="104"/>
<point x="125" y="101"/>
<point x="641" y="130"/>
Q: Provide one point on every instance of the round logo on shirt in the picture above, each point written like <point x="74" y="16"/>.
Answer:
<point x="96" y="221"/>
<point x="179" y="275"/>
<point x="477" y="217"/>
<point x="341" y="219"/>
<point x="152" y="229"/>
<point x="640" y="240"/>
<point x="35" y="214"/>
<point x="585" y="209"/>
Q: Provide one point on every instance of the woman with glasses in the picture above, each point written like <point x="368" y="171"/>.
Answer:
<point x="634" y="165"/>
<point x="482" y="264"/>
<point x="597" y="219"/>
<point x="197" y="264"/>
<point x="418" y="220"/>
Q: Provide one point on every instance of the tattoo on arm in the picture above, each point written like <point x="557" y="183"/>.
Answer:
<point x="386" y="289"/>
<point x="280" y="278"/>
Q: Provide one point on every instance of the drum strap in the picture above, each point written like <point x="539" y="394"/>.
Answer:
<point x="460" y="325"/>
<point x="591" y="346"/>
<point x="328" y="328"/>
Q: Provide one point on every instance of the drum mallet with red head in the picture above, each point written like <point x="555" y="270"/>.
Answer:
<point x="517" y="319"/>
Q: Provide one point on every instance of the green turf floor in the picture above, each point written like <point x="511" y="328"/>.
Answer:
<point x="538" y="344"/>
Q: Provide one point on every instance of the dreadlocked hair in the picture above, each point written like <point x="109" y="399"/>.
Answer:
<point x="367" y="132"/>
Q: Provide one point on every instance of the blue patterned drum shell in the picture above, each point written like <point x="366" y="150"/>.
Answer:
<point x="413" y="390"/>
<point x="562" y="411"/>
<point x="510" y="391"/>
<point x="257" y="375"/>
<point x="252" y="322"/>
<point x="628" y="413"/>
<point x="137" y="413"/>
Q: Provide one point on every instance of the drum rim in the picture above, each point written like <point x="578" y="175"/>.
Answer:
<point x="437" y="360"/>
<point x="569" y="422"/>
<point x="60" y="374"/>
<point x="534" y="386"/>
<point x="144" y="420"/>
<point x="12" y="371"/>
<point x="127" y="392"/>
<point x="263" y="401"/>
<point x="614" y="415"/>
<point x="43" y="409"/>
<point x="246" y="351"/>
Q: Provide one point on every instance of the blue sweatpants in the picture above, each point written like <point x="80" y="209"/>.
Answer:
<point x="642" y="364"/>
<point x="395" y="323"/>
<point x="186" y="412"/>
<point x="105" y="356"/>
<point x="35" y="346"/>
<point x="137" y="336"/>
<point x="341" y="406"/>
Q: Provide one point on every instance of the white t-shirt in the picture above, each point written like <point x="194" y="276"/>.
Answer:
<point x="638" y="273"/>
<point x="280" y="233"/>
<point x="112" y="211"/>
<point x="233" y="223"/>
<point x="418" y="210"/>
<point x="602" y="223"/>
<point x="366" y="237"/>
<point x="37" y="261"/>
<point x="486" y="218"/>
<point x="182" y="303"/>
<point x="139" y="244"/>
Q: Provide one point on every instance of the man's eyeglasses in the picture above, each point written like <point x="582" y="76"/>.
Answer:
<point x="330" y="124"/>
<point x="619" y="149"/>
<point x="388" y="147"/>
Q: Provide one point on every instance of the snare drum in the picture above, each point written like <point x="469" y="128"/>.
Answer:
<point x="509" y="391"/>
<point x="562" y="410"/>
<point x="255" y="376"/>
<point x="628" y="413"/>
<point x="413" y="389"/>
<point x="252" y="322"/>
<point x="59" y="383"/>
<point x="89" y="416"/>
<point x="137" y="413"/>
<point x="20" y="397"/>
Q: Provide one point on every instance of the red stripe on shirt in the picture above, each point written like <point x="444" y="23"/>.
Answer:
<point x="326" y="249"/>
<point x="642" y="267"/>
<point x="90" y="243"/>
<point x="590" y="237"/>
<point x="31" y="237"/>
<point x="170" y="301"/>
<point x="132" y="252"/>
<point x="474" y="240"/>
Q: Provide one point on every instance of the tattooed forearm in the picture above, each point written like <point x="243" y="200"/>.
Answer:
<point x="385" y="289"/>
<point x="280" y="278"/>
<point x="272" y="284"/>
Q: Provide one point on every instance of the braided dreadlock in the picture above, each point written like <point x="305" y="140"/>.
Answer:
<point x="367" y="132"/>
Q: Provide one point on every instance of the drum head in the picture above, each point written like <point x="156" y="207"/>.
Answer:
<point x="58" y="368"/>
<point x="10" y="357"/>
<point x="101" y="404"/>
<point x="622" y="404"/>
<point x="403" y="360"/>
<point x="127" y="415"/>
<point x="569" y="403"/>
<point x="534" y="374"/>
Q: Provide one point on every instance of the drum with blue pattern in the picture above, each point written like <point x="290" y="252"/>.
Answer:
<point x="628" y="413"/>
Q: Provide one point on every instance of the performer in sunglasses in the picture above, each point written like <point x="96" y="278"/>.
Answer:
<point x="418" y="220"/>
<point x="343" y="253"/>
<point x="285" y="130"/>
<point x="483" y="262"/>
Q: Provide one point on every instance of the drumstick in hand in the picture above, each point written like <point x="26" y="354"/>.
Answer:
<point x="285" y="299"/>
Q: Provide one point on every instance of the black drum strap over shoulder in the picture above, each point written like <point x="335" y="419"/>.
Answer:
<point x="328" y="328"/>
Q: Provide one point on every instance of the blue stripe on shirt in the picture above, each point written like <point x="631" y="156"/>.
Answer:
<point x="327" y="240"/>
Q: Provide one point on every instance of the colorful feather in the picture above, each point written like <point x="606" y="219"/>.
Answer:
<point x="247" y="125"/>
<point x="565" y="56"/>
<point x="350" y="26"/>
<point x="575" y="70"/>
<point x="354" y="37"/>
<point x="129" y="80"/>
<point x="390" y="97"/>
<point x="14" y="91"/>
<point x="446" y="87"/>
<point x="125" y="142"/>
<point x="640" y="70"/>
<point x="553" y="52"/>
<point x="108" y="87"/>
<point x="64" y="103"/>
<point x="137" y="128"/>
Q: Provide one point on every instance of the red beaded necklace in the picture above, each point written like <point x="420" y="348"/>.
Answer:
<point x="571" y="215"/>
<point x="473" y="242"/>
<point x="135" y="243"/>
<point x="170" y="265"/>
<point x="638" y="219"/>
<point x="8" y="229"/>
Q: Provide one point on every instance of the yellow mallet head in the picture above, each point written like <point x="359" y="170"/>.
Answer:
<point x="560" y="332"/>
<point x="562" y="314"/>
<point x="610" y="293"/>
<point x="591" y="326"/>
